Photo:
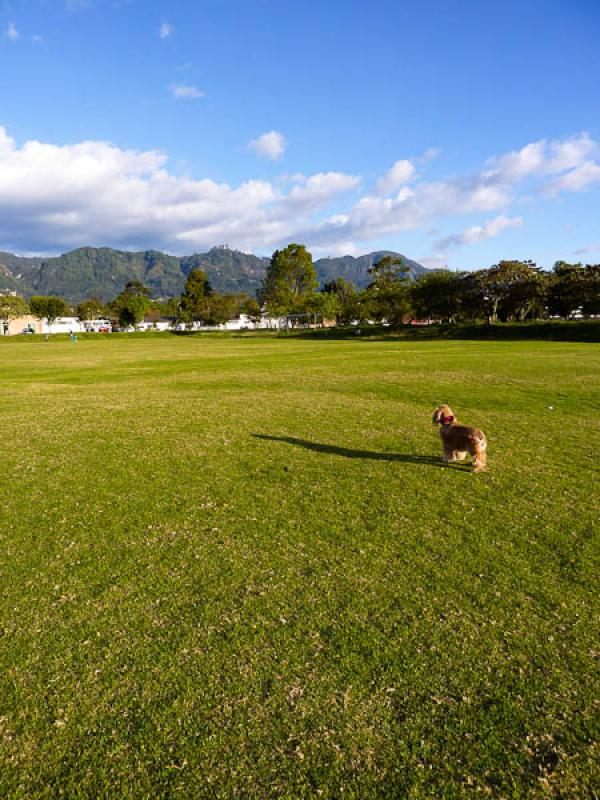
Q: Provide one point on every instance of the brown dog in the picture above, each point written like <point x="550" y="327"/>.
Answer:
<point x="460" y="441"/>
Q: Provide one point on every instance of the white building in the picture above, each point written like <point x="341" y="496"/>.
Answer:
<point x="63" y="325"/>
<point x="97" y="325"/>
<point x="158" y="325"/>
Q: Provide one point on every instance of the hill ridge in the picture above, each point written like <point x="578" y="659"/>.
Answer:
<point x="103" y="271"/>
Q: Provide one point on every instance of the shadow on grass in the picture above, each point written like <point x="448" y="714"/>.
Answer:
<point x="331" y="449"/>
<point x="556" y="330"/>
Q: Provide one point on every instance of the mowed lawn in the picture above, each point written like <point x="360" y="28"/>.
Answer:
<point x="236" y="567"/>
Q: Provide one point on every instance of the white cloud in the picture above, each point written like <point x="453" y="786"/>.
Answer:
<point x="270" y="145"/>
<point x="317" y="189"/>
<point x="338" y="249"/>
<point x="182" y="91"/>
<point x="165" y="30"/>
<point x="477" y="233"/>
<point x="582" y="177"/>
<point x="517" y="165"/>
<point x="372" y="217"/>
<point x="12" y="33"/>
<point x="571" y="153"/>
<point x="399" y="174"/>
<point x="56" y="197"/>
<point x="569" y="163"/>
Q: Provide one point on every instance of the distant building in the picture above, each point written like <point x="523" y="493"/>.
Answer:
<point x="30" y="324"/>
<point x="25" y="324"/>
<point x="97" y="325"/>
<point x="63" y="325"/>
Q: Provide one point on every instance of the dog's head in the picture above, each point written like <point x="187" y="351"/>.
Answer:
<point x="442" y="415"/>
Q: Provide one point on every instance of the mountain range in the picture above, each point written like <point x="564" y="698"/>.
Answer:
<point x="103" y="272"/>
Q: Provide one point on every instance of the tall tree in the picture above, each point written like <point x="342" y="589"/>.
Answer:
<point x="527" y="295"/>
<point x="388" y="296"/>
<point x="574" y="288"/>
<point x="502" y="282"/>
<point x="195" y="300"/>
<point x="347" y="297"/>
<point x="251" y="308"/>
<point x="90" y="309"/>
<point x="131" y="305"/>
<point x="290" y="281"/>
<point x="49" y="308"/>
<point x="438" y="295"/>
<point x="591" y="299"/>
<point x="325" y="305"/>
<point x="12" y="306"/>
<point x="222" y="308"/>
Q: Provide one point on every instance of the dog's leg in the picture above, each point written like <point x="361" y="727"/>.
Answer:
<point x="448" y="455"/>
<point x="480" y="460"/>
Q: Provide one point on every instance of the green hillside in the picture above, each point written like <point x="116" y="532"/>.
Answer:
<point x="229" y="271"/>
<point x="103" y="272"/>
<point x="18" y="273"/>
<point x="357" y="269"/>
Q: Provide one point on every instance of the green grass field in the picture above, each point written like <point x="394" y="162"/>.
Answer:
<point x="237" y="567"/>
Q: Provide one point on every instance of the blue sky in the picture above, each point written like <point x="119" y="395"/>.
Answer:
<point x="457" y="132"/>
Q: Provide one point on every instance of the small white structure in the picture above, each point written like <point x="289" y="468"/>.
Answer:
<point x="244" y="322"/>
<point x="63" y="325"/>
<point x="158" y="325"/>
<point x="97" y="325"/>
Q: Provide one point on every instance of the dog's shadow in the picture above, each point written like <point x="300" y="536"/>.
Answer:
<point x="331" y="449"/>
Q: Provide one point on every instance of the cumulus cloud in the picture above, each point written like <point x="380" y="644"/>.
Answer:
<point x="165" y="30"/>
<point x="399" y="174"/>
<point x="314" y="191"/>
<point x="569" y="163"/>
<point x="269" y="145"/>
<point x="55" y="197"/>
<point x="582" y="177"/>
<point x="372" y="216"/>
<point x="182" y="91"/>
<point x="12" y="32"/>
<point x="477" y="233"/>
<point x="517" y="165"/>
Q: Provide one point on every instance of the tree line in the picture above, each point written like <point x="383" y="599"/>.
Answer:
<point x="198" y="303"/>
<point x="507" y="291"/>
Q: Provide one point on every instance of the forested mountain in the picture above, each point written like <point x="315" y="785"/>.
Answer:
<point x="103" y="272"/>
<point x="17" y="273"/>
<point x="356" y="269"/>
